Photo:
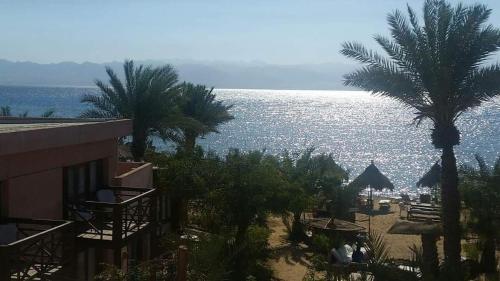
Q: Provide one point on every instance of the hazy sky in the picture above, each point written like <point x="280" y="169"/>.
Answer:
<point x="272" y="31"/>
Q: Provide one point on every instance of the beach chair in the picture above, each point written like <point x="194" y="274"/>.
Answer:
<point x="405" y="198"/>
<point x="425" y="198"/>
<point x="424" y="212"/>
<point x="384" y="205"/>
<point x="106" y="195"/>
<point x="8" y="233"/>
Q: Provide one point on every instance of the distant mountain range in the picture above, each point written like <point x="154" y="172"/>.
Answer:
<point x="254" y="75"/>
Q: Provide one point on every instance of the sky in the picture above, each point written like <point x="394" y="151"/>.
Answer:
<point x="269" y="31"/>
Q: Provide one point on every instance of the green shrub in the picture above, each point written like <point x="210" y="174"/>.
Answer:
<point x="322" y="243"/>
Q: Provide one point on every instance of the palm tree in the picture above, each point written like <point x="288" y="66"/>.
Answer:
<point x="5" y="111"/>
<point x="198" y="103"/>
<point x="480" y="189"/>
<point x="148" y="96"/>
<point x="438" y="69"/>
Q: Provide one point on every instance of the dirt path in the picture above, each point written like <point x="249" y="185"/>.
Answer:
<point x="399" y="244"/>
<point x="289" y="262"/>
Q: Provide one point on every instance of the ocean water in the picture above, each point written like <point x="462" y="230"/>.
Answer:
<point x="354" y="126"/>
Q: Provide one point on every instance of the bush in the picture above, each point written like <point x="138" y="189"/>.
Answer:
<point x="322" y="243"/>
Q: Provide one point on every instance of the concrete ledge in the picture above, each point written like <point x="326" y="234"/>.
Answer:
<point x="134" y="174"/>
<point x="30" y="134"/>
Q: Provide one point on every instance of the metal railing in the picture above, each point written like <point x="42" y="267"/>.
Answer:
<point x="41" y="251"/>
<point x="133" y="210"/>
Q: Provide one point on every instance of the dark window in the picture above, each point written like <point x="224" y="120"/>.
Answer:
<point x="1" y="200"/>
<point x="81" y="181"/>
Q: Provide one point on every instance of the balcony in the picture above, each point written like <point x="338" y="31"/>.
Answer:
<point x="118" y="214"/>
<point x="35" y="249"/>
<point x="134" y="174"/>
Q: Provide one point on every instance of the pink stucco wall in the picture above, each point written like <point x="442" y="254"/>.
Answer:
<point x="32" y="162"/>
<point x="37" y="195"/>
<point x="134" y="174"/>
<point x="22" y="141"/>
<point x="14" y="165"/>
<point x="33" y="180"/>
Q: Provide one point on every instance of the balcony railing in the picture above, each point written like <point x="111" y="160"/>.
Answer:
<point x="35" y="249"/>
<point x="133" y="210"/>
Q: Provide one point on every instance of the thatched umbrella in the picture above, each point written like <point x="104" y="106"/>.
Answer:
<point x="372" y="177"/>
<point x="429" y="233"/>
<point x="333" y="224"/>
<point x="431" y="179"/>
<point x="415" y="228"/>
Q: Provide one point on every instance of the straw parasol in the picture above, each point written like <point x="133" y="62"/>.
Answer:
<point x="429" y="233"/>
<point x="334" y="225"/>
<point x="415" y="228"/>
<point x="432" y="177"/>
<point x="372" y="177"/>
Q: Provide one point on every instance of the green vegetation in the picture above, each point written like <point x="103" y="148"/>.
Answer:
<point x="230" y="197"/>
<point x="5" y="111"/>
<point x="480" y="190"/>
<point x="158" y="105"/>
<point x="315" y="180"/>
<point x="440" y="70"/>
<point x="380" y="266"/>
<point x="148" y="96"/>
<point x="198" y="102"/>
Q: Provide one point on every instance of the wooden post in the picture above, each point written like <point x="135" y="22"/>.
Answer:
<point x="370" y="209"/>
<point x="182" y="262"/>
<point x="5" y="264"/>
<point x="117" y="224"/>
<point x="430" y="268"/>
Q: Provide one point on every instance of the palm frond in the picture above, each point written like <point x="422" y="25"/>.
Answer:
<point x="96" y="113"/>
<point x="102" y="107"/>
<point x="48" y="113"/>
<point x="396" y="85"/>
<point x="439" y="68"/>
<point x="360" y="53"/>
<point x="377" y="249"/>
<point x="199" y="103"/>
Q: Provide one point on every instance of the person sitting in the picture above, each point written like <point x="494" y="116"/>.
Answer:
<point x="342" y="255"/>
<point x="333" y="257"/>
<point x="358" y="255"/>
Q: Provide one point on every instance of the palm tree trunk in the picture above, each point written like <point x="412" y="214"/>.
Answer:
<point x="450" y="213"/>
<point x="139" y="138"/>
<point x="189" y="142"/>
<point x="297" y="231"/>
<point x="430" y="257"/>
<point x="488" y="259"/>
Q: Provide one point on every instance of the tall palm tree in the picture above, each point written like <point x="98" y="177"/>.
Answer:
<point x="199" y="103"/>
<point x="480" y="189"/>
<point x="148" y="96"/>
<point x="440" y="70"/>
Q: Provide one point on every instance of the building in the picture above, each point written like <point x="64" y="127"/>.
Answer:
<point x="67" y="204"/>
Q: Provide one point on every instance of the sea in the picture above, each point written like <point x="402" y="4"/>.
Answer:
<point x="354" y="126"/>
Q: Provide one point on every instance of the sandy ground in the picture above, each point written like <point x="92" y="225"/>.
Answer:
<point x="399" y="244"/>
<point x="290" y="262"/>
